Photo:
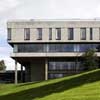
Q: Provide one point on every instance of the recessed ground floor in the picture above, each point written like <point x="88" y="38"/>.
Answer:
<point x="38" y="69"/>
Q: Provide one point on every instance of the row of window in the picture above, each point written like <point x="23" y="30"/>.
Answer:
<point x="55" y="75"/>
<point x="64" y="66"/>
<point x="55" y="47"/>
<point x="71" y="67"/>
<point x="58" y="33"/>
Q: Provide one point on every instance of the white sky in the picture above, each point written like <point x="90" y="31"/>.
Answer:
<point x="41" y="9"/>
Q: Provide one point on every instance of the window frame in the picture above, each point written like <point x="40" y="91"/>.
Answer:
<point x="50" y="33"/>
<point x="91" y="33"/>
<point x="83" y="33"/>
<point x="70" y="33"/>
<point x="58" y="33"/>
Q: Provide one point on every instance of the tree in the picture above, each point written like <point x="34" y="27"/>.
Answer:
<point x="90" y="60"/>
<point x="2" y="65"/>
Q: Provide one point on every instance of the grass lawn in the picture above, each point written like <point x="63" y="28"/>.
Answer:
<point x="84" y="86"/>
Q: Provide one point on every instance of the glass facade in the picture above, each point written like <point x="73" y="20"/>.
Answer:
<point x="30" y="48"/>
<point x="70" y="33"/>
<point x="64" y="65"/>
<point x="26" y="33"/>
<point x="83" y="33"/>
<point x="56" y="47"/>
<point x="56" y="75"/>
<point x="58" y="69"/>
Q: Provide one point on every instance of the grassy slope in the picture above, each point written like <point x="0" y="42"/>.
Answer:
<point x="85" y="86"/>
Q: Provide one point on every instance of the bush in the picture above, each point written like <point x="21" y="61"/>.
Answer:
<point x="90" y="60"/>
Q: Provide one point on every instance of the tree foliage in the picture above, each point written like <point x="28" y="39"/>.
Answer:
<point x="2" y="65"/>
<point x="90" y="60"/>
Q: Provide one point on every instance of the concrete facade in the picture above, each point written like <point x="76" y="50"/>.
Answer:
<point x="18" y="27"/>
<point x="37" y="62"/>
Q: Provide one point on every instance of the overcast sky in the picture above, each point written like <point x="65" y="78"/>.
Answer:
<point x="41" y="9"/>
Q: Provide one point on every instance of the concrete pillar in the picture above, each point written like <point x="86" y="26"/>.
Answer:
<point x="46" y="69"/>
<point x="27" y="73"/>
<point x="21" y="73"/>
<point x="16" y="79"/>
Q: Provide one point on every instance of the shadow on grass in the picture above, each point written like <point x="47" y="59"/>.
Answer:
<point x="28" y="83"/>
<point x="57" y="87"/>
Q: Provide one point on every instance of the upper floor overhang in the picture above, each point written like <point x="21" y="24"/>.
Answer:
<point x="39" y="55"/>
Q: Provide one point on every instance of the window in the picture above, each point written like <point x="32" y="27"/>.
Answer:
<point x="58" y="33"/>
<point x="99" y="33"/>
<point x="27" y="33"/>
<point x="39" y="37"/>
<point x="83" y="33"/>
<point x="30" y="48"/>
<point x="9" y="33"/>
<point x="70" y="34"/>
<point x="50" y="33"/>
<point x="91" y="33"/>
<point x="15" y="49"/>
<point x="55" y="47"/>
<point x="61" y="65"/>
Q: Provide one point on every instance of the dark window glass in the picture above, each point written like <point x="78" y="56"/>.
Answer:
<point x="68" y="47"/>
<point x="51" y="47"/>
<point x="83" y="33"/>
<point x="58" y="33"/>
<point x="70" y="34"/>
<point x="50" y="33"/>
<point x="9" y="33"/>
<point x="99" y="33"/>
<point x="85" y="47"/>
<point x="27" y="33"/>
<point x="62" y="65"/>
<point x="56" y="47"/>
<point x="39" y="36"/>
<point x="57" y="75"/>
<point x="91" y="33"/>
<point x="30" y="48"/>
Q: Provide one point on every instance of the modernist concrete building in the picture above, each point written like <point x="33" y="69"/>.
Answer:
<point x="52" y="48"/>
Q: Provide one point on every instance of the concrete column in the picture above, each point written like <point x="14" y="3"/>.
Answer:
<point x="27" y="73"/>
<point x="16" y="79"/>
<point x="46" y="69"/>
<point x="21" y="73"/>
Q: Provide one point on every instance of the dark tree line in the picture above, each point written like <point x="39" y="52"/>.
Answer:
<point x="2" y="65"/>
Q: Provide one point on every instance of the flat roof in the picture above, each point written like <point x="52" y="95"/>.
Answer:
<point x="73" y="19"/>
